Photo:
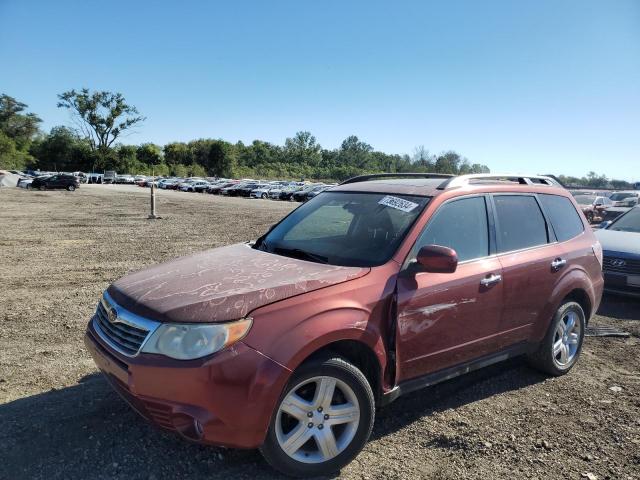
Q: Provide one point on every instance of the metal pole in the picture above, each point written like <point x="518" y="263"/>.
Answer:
<point x="153" y="215"/>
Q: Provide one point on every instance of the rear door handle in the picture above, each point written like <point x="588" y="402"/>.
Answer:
<point x="558" y="263"/>
<point x="490" y="280"/>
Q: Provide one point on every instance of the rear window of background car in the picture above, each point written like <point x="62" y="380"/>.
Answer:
<point x="520" y="222"/>
<point x="461" y="225"/>
<point x="564" y="218"/>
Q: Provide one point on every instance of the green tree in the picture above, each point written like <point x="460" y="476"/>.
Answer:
<point x="62" y="150"/>
<point x="149" y="154"/>
<point x="177" y="153"/>
<point x="101" y="116"/>
<point x="302" y="148"/>
<point x="19" y="126"/>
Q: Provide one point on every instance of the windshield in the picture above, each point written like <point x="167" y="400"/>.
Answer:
<point x="629" y="222"/>
<point x="585" y="199"/>
<point x="345" y="228"/>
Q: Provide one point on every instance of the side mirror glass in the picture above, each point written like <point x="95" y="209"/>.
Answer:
<point x="437" y="259"/>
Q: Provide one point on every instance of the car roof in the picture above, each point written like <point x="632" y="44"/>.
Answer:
<point x="431" y="187"/>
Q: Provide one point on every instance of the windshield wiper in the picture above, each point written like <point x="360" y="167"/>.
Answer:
<point x="301" y="254"/>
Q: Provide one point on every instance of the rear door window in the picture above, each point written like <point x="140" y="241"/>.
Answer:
<point x="520" y="223"/>
<point x="564" y="218"/>
<point x="461" y="225"/>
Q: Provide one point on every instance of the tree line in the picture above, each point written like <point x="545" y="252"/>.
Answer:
<point x="101" y="118"/>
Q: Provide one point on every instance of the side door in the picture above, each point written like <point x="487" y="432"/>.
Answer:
<point x="52" y="182"/>
<point x="444" y="319"/>
<point x="531" y="260"/>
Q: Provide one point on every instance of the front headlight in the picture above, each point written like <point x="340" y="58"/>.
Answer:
<point x="189" y="341"/>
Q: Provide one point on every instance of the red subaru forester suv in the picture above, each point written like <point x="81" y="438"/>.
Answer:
<point x="376" y="287"/>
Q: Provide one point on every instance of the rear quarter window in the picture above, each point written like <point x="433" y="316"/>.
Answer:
<point x="565" y="220"/>
<point x="520" y="222"/>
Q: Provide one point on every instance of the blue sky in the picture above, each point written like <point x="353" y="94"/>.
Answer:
<point x="541" y="87"/>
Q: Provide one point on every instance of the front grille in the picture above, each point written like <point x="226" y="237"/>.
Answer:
<point x="125" y="337"/>
<point x="621" y="265"/>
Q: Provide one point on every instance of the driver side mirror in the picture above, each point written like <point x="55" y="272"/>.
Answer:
<point x="437" y="259"/>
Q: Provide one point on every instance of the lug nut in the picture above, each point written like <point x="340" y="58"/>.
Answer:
<point x="310" y="424"/>
<point x="310" y="414"/>
<point x="320" y="427"/>
<point x="320" y="409"/>
<point x="326" y="417"/>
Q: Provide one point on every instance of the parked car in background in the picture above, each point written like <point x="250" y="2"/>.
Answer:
<point x="53" y="182"/>
<point x="291" y="188"/>
<point x="318" y="190"/>
<point x="194" y="186"/>
<point x="110" y="176"/>
<point x="129" y="179"/>
<point x="374" y="289"/>
<point x="303" y="195"/>
<point x="593" y="206"/>
<point x="301" y="192"/>
<point x="25" y="181"/>
<point x="618" y="197"/>
<point x="215" y="189"/>
<point x="620" y="241"/>
<point x="622" y="206"/>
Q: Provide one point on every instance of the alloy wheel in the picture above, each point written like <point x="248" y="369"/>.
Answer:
<point x="566" y="339"/>
<point x="317" y="419"/>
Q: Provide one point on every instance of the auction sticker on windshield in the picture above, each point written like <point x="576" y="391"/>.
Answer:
<point x="398" y="203"/>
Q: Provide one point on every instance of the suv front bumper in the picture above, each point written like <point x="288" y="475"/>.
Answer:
<point x="226" y="399"/>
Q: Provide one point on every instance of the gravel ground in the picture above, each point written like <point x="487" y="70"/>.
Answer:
<point x="59" y="418"/>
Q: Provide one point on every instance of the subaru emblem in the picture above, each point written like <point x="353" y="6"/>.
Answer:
<point x="113" y="315"/>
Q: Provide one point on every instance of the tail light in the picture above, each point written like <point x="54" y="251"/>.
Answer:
<point x="597" y="251"/>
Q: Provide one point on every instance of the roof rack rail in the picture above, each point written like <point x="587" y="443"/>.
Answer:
<point x="377" y="176"/>
<point x="462" y="180"/>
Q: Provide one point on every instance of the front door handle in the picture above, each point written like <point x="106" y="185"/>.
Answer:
<point x="558" y="263"/>
<point x="490" y="280"/>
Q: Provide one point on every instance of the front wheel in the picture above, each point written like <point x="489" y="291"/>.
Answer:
<point x="561" y="347"/>
<point x="42" y="188"/>
<point x="71" y="188"/>
<point x="322" y="421"/>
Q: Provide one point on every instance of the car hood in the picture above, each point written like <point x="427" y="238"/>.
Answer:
<point x="222" y="284"/>
<point x="626" y="242"/>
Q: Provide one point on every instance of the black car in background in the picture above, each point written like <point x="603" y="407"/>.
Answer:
<point x="67" y="182"/>
<point x="304" y="194"/>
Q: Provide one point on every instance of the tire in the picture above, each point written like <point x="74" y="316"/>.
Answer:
<point x="42" y="188"/>
<point x="346" y="438"/>
<point x="71" y="188"/>
<point x="561" y="347"/>
<point x="29" y="187"/>
<point x="264" y="196"/>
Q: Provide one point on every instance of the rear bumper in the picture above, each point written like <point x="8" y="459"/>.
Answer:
<point x="226" y="399"/>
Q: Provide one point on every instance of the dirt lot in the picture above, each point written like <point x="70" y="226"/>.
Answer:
<point x="59" y="419"/>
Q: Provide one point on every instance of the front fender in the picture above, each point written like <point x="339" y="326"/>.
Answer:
<point x="295" y="344"/>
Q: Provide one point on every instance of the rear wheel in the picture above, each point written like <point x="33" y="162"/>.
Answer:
<point x="590" y="217"/>
<point x="71" y="188"/>
<point x="42" y="188"/>
<point x="561" y="347"/>
<point x="264" y="196"/>
<point x="322" y="421"/>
